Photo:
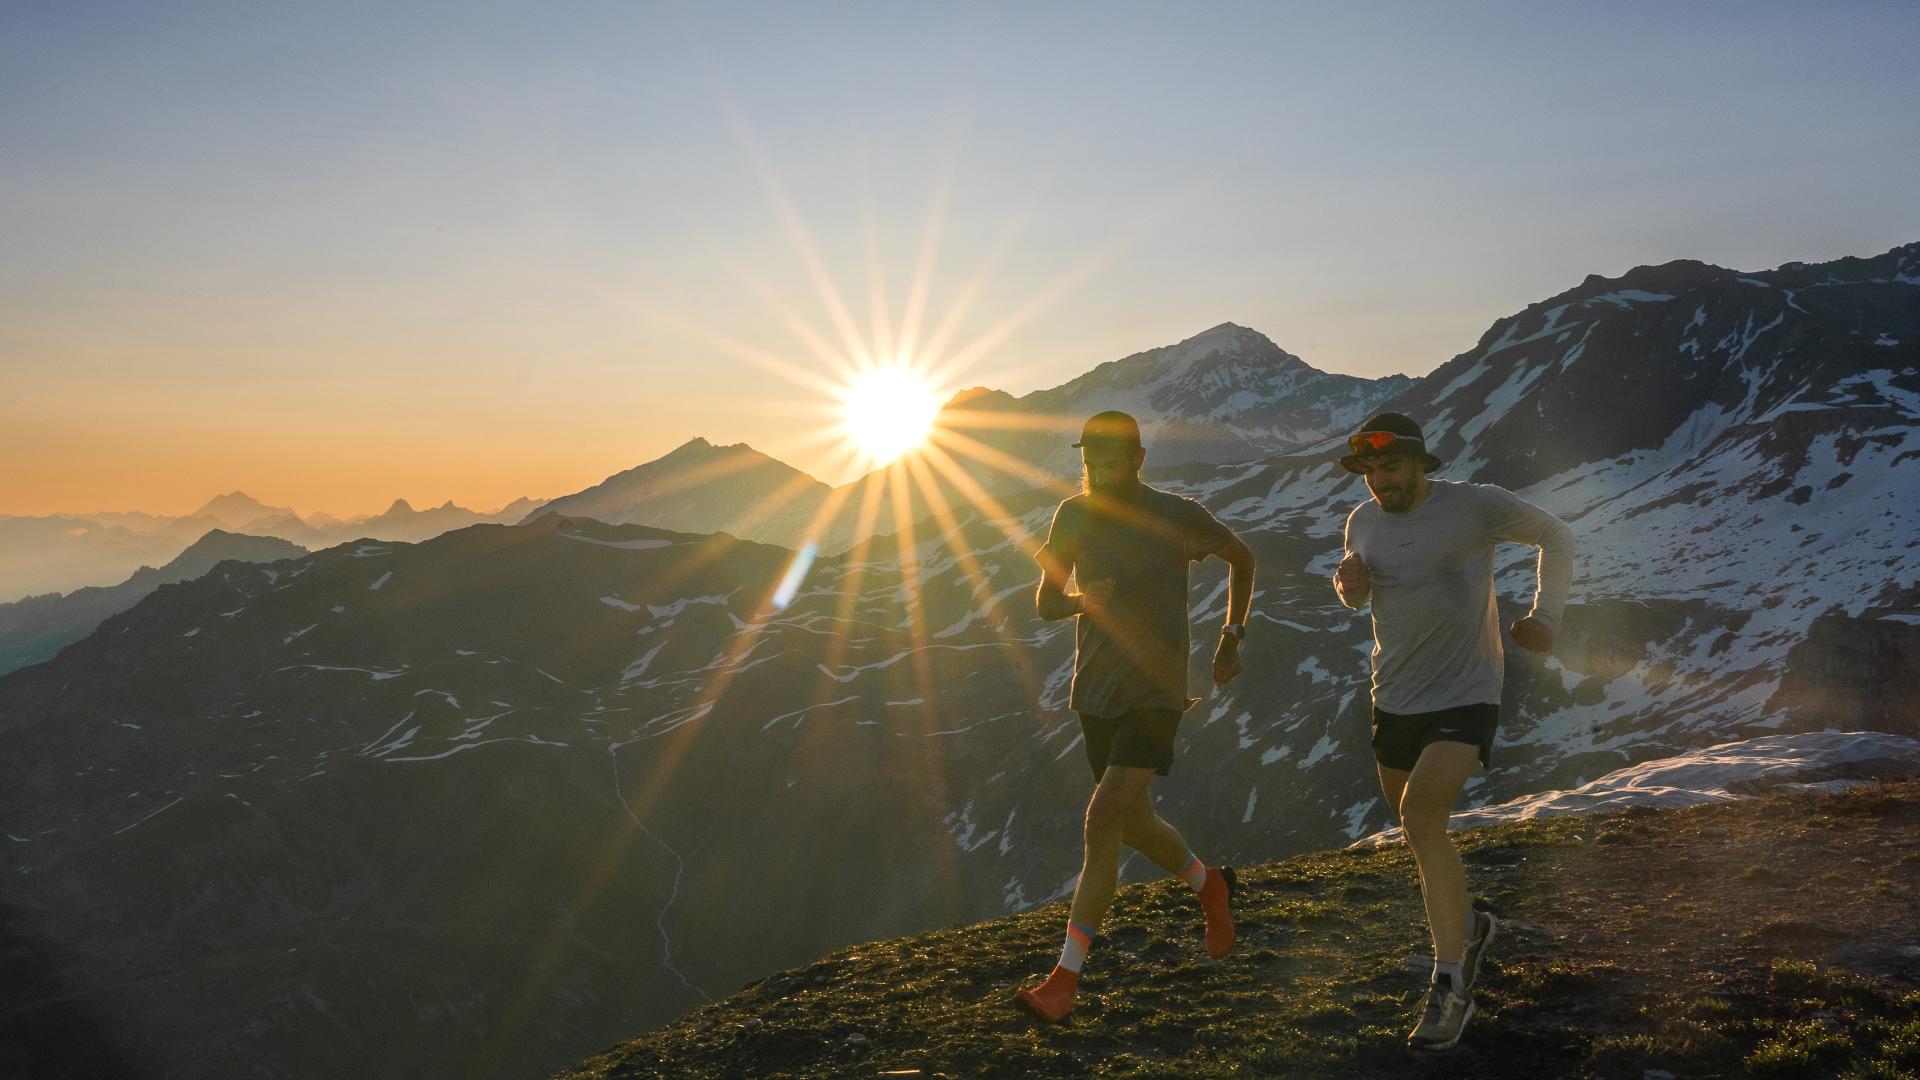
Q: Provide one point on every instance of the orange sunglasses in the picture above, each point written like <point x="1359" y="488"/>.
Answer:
<point x="1374" y="440"/>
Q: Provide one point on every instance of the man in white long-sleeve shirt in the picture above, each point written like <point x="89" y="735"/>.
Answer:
<point x="1421" y="551"/>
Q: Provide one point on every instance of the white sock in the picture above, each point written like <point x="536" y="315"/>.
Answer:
<point x="1449" y="971"/>
<point x="1079" y="940"/>
<point x="1195" y="873"/>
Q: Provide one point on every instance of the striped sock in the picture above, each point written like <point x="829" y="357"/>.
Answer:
<point x="1079" y="940"/>
<point x="1195" y="873"/>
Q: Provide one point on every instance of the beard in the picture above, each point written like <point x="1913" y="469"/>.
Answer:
<point x="1396" y="500"/>
<point x="1116" y="482"/>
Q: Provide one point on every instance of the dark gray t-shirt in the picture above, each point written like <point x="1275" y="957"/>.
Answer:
<point x="1134" y="656"/>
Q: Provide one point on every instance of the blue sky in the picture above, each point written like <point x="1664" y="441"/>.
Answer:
<point x="483" y="251"/>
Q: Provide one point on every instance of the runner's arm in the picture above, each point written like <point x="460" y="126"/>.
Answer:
<point x="1240" y="568"/>
<point x="1207" y="536"/>
<point x="1056" y="565"/>
<point x="1517" y="521"/>
<point x="1052" y="601"/>
<point x="1353" y="593"/>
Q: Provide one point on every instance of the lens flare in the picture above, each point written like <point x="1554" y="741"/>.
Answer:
<point x="796" y="574"/>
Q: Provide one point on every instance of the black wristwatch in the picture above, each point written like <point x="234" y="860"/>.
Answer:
<point x="1236" y="631"/>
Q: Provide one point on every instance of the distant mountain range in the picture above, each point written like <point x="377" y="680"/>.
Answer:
<point x="42" y="557"/>
<point x="485" y="804"/>
<point x="239" y="512"/>
<point x="35" y="629"/>
<point x="63" y="552"/>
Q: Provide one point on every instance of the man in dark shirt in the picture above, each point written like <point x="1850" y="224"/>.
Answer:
<point x="1128" y="545"/>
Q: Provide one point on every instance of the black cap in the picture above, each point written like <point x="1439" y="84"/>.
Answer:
<point x="1387" y="433"/>
<point x="1110" y="428"/>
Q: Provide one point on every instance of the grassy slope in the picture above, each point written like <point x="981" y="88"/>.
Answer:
<point x="1777" y="937"/>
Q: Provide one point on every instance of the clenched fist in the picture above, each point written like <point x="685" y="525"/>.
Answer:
<point x="1351" y="581"/>
<point x="1226" y="660"/>
<point x="1532" y="635"/>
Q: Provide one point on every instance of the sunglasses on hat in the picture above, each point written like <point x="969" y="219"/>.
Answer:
<point x="1376" y="441"/>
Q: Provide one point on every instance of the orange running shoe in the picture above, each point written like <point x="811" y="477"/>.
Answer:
<point x="1216" y="896"/>
<point x="1052" y="999"/>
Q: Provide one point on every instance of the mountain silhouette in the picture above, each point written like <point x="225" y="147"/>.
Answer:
<point x="34" y="629"/>
<point x="237" y="510"/>
<point x="61" y="553"/>
<point x="700" y="487"/>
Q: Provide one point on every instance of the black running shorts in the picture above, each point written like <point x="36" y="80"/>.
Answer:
<point x="1141" y="739"/>
<point x="1398" y="738"/>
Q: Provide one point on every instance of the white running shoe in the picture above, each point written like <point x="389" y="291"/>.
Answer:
<point x="1445" y="1018"/>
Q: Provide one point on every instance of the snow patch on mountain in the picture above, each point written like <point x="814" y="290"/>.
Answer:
<point x="1720" y="773"/>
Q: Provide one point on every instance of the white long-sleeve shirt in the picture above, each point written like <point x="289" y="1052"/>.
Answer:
<point x="1436" y="629"/>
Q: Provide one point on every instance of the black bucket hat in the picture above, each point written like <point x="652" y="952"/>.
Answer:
<point x="1387" y="433"/>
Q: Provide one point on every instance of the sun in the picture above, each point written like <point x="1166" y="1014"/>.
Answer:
<point x="889" y="411"/>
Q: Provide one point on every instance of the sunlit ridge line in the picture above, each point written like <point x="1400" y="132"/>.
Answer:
<point x="704" y="473"/>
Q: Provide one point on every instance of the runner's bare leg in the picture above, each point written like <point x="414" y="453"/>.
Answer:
<point x="1116" y="801"/>
<point x="1426" y="804"/>
<point x="1151" y="835"/>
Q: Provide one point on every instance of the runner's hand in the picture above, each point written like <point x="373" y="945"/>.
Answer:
<point x="1352" y="581"/>
<point x="1095" y="595"/>
<point x="1226" y="660"/>
<point x="1532" y="635"/>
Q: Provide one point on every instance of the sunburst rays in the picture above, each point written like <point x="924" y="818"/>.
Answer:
<point x="941" y="489"/>
<point x="947" y="479"/>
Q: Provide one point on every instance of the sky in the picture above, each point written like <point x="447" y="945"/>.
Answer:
<point x="338" y="254"/>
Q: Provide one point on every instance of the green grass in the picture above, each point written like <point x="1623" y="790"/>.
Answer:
<point x="1639" y="943"/>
